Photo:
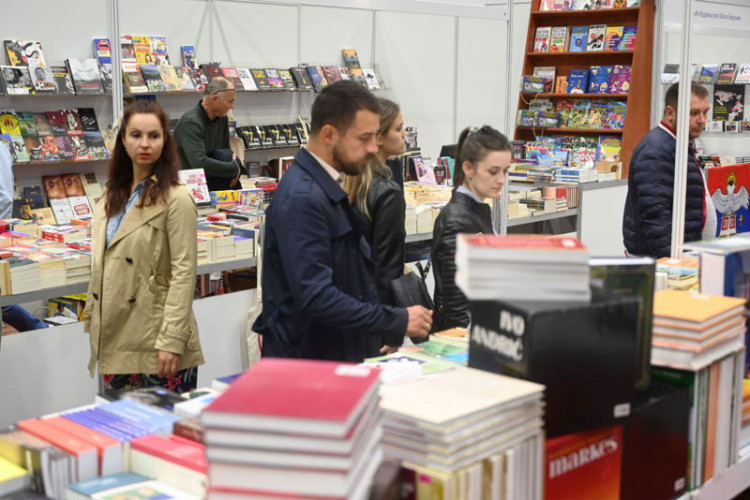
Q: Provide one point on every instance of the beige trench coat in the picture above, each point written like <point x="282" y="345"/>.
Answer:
<point x="140" y="296"/>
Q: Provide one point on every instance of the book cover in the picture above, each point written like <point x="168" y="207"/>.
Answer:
<point x="535" y="84"/>
<point x="691" y="308"/>
<point x="609" y="148"/>
<point x="86" y="489"/>
<point x="671" y="73"/>
<point x="142" y="47"/>
<point x="542" y="39"/>
<point x="105" y="75"/>
<point x="56" y="120"/>
<point x="615" y="115"/>
<point x="578" y="38"/>
<point x="289" y="133"/>
<point x="371" y="78"/>
<point x="23" y="52"/>
<point x="200" y="82"/>
<point x="232" y="75"/>
<point x="159" y="50"/>
<point x="317" y="77"/>
<point x="17" y="80"/>
<point x="286" y="77"/>
<point x="270" y="394"/>
<point x="49" y="149"/>
<point x="63" y="82"/>
<point x="743" y="74"/>
<point x="169" y="77"/>
<point x="102" y="50"/>
<point x="127" y="51"/>
<point x="261" y="78"/>
<point x="85" y="74"/>
<point x="246" y="79"/>
<point x="301" y="78"/>
<point x="599" y="79"/>
<point x="613" y="38"/>
<point x="72" y="121"/>
<point x="188" y="56"/>
<point x="88" y="119"/>
<point x="183" y="76"/>
<point x="195" y="180"/>
<point x="596" y="37"/>
<point x="628" y="37"/>
<point x="578" y="80"/>
<point x="545" y="72"/>
<point x="726" y="74"/>
<point x="358" y="76"/>
<point x="332" y="73"/>
<point x="620" y="79"/>
<point x="708" y="74"/>
<point x="558" y="39"/>
<point x="211" y="70"/>
<point x="64" y="147"/>
<point x="134" y="81"/>
<point x="729" y="102"/>
<point x="42" y="79"/>
<point x="33" y="195"/>
<point x="351" y="59"/>
<point x="344" y="73"/>
<point x="152" y="76"/>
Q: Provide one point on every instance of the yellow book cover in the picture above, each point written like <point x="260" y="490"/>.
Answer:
<point x="682" y="306"/>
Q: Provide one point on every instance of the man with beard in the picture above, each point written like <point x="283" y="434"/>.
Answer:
<point x="319" y="297"/>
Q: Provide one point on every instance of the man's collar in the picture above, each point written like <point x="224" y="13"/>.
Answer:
<point x="335" y="174"/>
<point x="318" y="173"/>
<point x="666" y="126"/>
<point x="204" y="113"/>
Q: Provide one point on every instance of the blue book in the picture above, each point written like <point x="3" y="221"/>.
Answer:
<point x="578" y="37"/>
<point x="106" y="423"/>
<point x="599" y="79"/>
<point x="149" y="417"/>
<point x="315" y="76"/>
<point x="578" y="81"/>
<point x="96" y="485"/>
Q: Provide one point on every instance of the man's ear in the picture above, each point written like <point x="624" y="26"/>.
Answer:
<point x="329" y="134"/>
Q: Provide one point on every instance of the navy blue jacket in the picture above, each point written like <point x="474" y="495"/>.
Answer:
<point x="647" y="222"/>
<point x="319" y="296"/>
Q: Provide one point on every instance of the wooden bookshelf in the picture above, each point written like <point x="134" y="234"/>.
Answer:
<point x="638" y="99"/>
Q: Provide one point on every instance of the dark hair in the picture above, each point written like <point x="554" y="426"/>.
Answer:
<point x="696" y="89"/>
<point x="120" y="166"/>
<point x="474" y="145"/>
<point x="338" y="103"/>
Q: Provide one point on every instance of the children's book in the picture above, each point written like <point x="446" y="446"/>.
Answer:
<point x="620" y="79"/>
<point x="561" y="85"/>
<point x="615" y="116"/>
<point x="578" y="38"/>
<point x="558" y="39"/>
<point x="599" y="79"/>
<point x="188" y="56"/>
<point x="609" y="148"/>
<point x="596" y="37"/>
<point x="628" y="37"/>
<point x="578" y="81"/>
<point x="613" y="38"/>
<point x="542" y="39"/>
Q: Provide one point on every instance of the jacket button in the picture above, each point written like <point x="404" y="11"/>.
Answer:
<point x="131" y="299"/>
<point x="128" y="260"/>
<point x="96" y="296"/>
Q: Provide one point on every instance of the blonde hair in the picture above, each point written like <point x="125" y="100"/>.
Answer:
<point x="358" y="186"/>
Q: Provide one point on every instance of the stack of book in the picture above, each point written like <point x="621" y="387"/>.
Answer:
<point x="13" y="478"/>
<point x="693" y="330"/>
<point x="467" y="427"/>
<point x="522" y="267"/>
<point x="744" y="442"/>
<point x="174" y="460"/>
<point x="295" y="428"/>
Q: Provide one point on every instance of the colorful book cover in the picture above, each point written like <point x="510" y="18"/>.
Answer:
<point x="613" y="38"/>
<point x="578" y="81"/>
<point x="561" y="85"/>
<point x="628" y="37"/>
<point x="232" y="75"/>
<point x="596" y="38"/>
<point x="302" y="78"/>
<point x="211" y="70"/>
<point x="579" y="115"/>
<point x="743" y="74"/>
<point x="152" y="77"/>
<point x="729" y="102"/>
<point x="22" y="52"/>
<point x="188" y="56"/>
<point x="597" y="114"/>
<point x="535" y="84"/>
<point x="102" y="50"/>
<point x="159" y="50"/>
<point x="286" y="77"/>
<point x="726" y="74"/>
<point x="558" y="39"/>
<point x="599" y="79"/>
<point x="708" y="74"/>
<point x="261" y="79"/>
<point x="274" y="80"/>
<point x="620" y="79"/>
<point x="609" y="148"/>
<point x="615" y="116"/>
<point x="578" y="39"/>
<point x="351" y="59"/>
<point x="183" y="76"/>
<point x="200" y="82"/>
<point x="246" y="78"/>
<point x="169" y="76"/>
<point x="542" y="39"/>
<point x="127" y="50"/>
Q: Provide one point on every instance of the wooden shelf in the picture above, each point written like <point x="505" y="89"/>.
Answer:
<point x="574" y="131"/>
<point x="550" y="95"/>
<point x="580" y="59"/>
<point x="595" y="16"/>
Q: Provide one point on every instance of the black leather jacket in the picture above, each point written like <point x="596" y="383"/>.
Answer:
<point x="462" y="214"/>
<point x="386" y="234"/>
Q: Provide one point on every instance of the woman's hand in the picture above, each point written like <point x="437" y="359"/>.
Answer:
<point x="168" y="362"/>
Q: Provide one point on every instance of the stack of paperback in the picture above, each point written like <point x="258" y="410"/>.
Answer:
<point x="295" y="428"/>
<point x="522" y="267"/>
<point x="693" y="330"/>
<point x="467" y="427"/>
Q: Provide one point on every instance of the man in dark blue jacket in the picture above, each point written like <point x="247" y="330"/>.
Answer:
<point x="319" y="296"/>
<point x="647" y="222"/>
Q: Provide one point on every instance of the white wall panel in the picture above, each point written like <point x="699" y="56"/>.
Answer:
<point x="481" y="73"/>
<point x="325" y="31"/>
<point x="416" y="54"/>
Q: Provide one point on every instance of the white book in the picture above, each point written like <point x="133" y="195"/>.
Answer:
<point x="743" y="74"/>
<point x="246" y="78"/>
<point x="62" y="210"/>
<point x="371" y="78"/>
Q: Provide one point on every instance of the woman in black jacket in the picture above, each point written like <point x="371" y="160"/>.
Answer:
<point x="482" y="161"/>
<point x="377" y="198"/>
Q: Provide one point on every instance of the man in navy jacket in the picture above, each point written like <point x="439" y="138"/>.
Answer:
<point x="647" y="222"/>
<point x="319" y="296"/>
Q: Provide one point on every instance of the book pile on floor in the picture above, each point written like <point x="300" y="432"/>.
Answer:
<point x="522" y="267"/>
<point x="295" y="428"/>
<point x="693" y="330"/>
<point x="467" y="433"/>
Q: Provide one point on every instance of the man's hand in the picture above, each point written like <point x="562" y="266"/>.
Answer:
<point x="168" y="362"/>
<point x="386" y="349"/>
<point x="420" y="321"/>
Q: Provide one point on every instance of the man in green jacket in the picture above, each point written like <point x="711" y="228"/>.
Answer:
<point x="202" y="136"/>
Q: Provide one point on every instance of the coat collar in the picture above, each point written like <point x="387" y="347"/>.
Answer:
<point x="311" y="166"/>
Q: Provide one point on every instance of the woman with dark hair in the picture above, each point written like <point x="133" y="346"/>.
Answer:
<point x="482" y="161"/>
<point x="377" y="198"/>
<point x="144" y="241"/>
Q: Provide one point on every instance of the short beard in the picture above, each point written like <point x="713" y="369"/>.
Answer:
<point x="349" y="167"/>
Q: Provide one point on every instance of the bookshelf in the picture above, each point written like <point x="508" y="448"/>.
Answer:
<point x="639" y="97"/>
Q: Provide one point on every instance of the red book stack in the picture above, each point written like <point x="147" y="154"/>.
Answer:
<point x="522" y="267"/>
<point x="294" y="428"/>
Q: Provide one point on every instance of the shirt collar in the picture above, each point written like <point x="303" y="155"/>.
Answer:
<point x="668" y="128"/>
<point x="464" y="190"/>
<point x="335" y="174"/>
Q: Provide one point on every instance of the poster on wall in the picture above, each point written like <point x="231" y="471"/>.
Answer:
<point x="729" y="102"/>
<point x="728" y="186"/>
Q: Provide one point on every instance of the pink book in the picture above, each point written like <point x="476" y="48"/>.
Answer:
<point x="189" y="455"/>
